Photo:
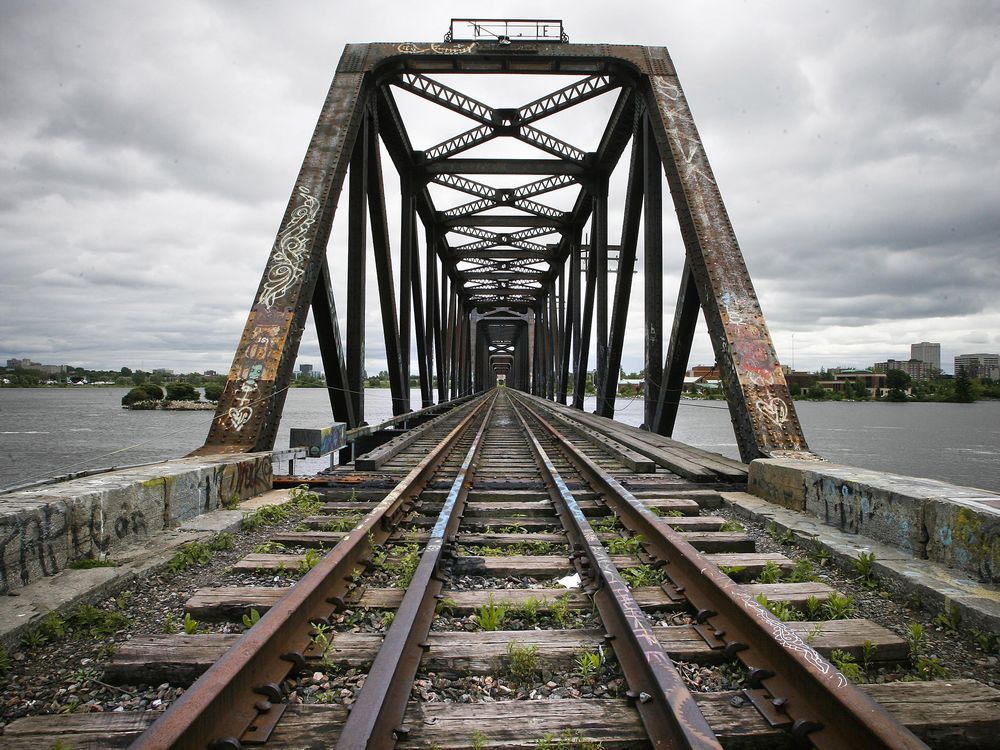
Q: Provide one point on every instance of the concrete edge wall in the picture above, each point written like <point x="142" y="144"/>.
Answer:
<point x="952" y="525"/>
<point x="44" y="529"/>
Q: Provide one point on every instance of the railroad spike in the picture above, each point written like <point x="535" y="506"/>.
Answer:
<point x="703" y="615"/>
<point x="269" y="690"/>
<point x="757" y="674"/>
<point x="734" y="648"/>
<point x="801" y="730"/>
<point x="296" y="658"/>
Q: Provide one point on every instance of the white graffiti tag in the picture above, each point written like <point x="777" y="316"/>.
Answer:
<point x="240" y="415"/>
<point x="773" y="409"/>
<point x="790" y="641"/>
<point x="287" y="263"/>
<point x="411" y="48"/>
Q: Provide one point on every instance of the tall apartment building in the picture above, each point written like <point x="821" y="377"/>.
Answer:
<point x="915" y="368"/>
<point x="927" y="352"/>
<point x="979" y="365"/>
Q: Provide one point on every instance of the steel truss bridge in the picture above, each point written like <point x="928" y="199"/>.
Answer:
<point x="511" y="285"/>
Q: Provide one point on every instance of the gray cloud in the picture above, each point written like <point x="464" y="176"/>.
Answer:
<point x="149" y="152"/>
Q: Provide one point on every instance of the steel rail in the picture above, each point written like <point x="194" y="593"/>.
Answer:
<point x="376" y="717"/>
<point x="668" y="710"/>
<point x="238" y="699"/>
<point x="792" y="686"/>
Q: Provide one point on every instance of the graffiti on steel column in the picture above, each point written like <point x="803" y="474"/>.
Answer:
<point x="455" y="48"/>
<point x="287" y="264"/>
<point x="790" y="640"/>
<point x="256" y="364"/>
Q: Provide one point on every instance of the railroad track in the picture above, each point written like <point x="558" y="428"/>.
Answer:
<point x="501" y="544"/>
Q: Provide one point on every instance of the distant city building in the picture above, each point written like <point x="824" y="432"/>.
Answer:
<point x="704" y="371"/>
<point x="915" y="368"/>
<point x="24" y="364"/>
<point x="163" y="371"/>
<point x="305" y="370"/>
<point x="927" y="352"/>
<point x="979" y="365"/>
<point x="27" y="364"/>
<point x="210" y="373"/>
<point x="873" y="381"/>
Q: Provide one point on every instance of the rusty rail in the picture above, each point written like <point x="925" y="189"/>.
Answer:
<point x="668" y="710"/>
<point x="792" y="686"/>
<point x="376" y="716"/>
<point x="237" y="700"/>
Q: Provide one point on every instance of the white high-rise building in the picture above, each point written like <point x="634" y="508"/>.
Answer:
<point x="927" y="352"/>
<point x="979" y="365"/>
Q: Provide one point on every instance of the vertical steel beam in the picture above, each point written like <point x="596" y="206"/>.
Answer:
<point x="599" y="257"/>
<point x="250" y="407"/>
<point x="407" y="246"/>
<point x="652" y="273"/>
<point x="553" y="343"/>
<point x="760" y="406"/>
<point x="580" y="385"/>
<point x="678" y="352"/>
<point x="623" y="281"/>
<point x="324" y="310"/>
<point x="383" y="270"/>
<point x="565" y="338"/>
<point x="452" y="340"/>
<point x="571" y="352"/>
<point x="440" y="326"/>
<point x="464" y="356"/>
<point x="473" y="351"/>
<point x="419" y="329"/>
<point x="357" y="250"/>
<point x="430" y="316"/>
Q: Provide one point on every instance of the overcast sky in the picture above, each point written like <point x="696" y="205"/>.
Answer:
<point x="148" y="151"/>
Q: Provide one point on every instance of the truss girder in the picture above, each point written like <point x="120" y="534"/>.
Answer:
<point x="446" y="96"/>
<point x="508" y="273"/>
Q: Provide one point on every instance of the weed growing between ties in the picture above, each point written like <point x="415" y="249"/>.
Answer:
<point x="84" y="621"/>
<point x="199" y="554"/>
<point x="522" y="661"/>
<point x="567" y="739"/>
<point x="302" y="502"/>
<point x="491" y="615"/>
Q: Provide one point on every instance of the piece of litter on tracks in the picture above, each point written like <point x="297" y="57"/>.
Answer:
<point x="570" y="582"/>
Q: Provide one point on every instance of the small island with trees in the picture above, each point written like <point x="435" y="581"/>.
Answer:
<point x="179" y="396"/>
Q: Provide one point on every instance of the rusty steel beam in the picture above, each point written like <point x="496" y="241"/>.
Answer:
<point x="678" y="353"/>
<point x="652" y="273"/>
<point x="357" y="250"/>
<point x="761" y="408"/>
<point x="324" y="309"/>
<point x="251" y="403"/>
<point x="398" y="383"/>
<point x="623" y="279"/>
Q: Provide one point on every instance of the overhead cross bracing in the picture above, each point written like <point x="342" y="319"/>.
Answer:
<point x="495" y="212"/>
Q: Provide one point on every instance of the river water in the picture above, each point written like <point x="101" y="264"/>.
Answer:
<point x="46" y="432"/>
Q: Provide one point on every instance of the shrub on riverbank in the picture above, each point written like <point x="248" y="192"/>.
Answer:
<point x="182" y="392"/>
<point x="142" y="393"/>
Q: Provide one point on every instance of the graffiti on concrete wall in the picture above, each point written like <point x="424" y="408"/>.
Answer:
<point x="42" y="542"/>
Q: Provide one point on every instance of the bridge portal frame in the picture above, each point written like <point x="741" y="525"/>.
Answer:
<point x="359" y="113"/>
